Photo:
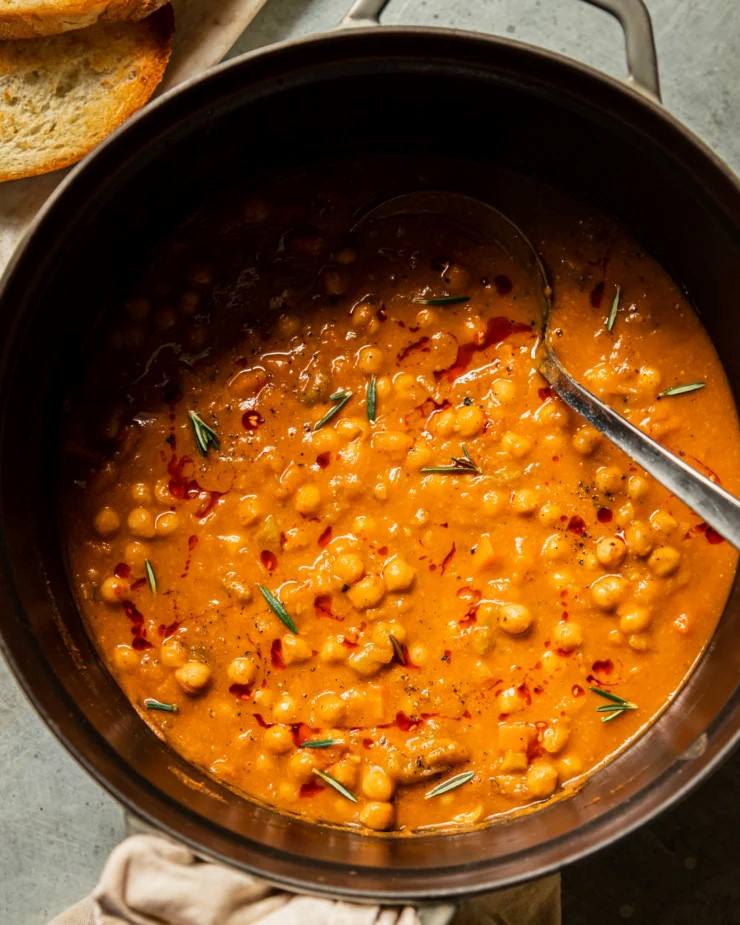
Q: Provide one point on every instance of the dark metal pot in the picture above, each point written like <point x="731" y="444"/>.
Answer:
<point x="359" y="88"/>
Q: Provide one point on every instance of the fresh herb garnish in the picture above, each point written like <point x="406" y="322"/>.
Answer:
<point x="614" y="309"/>
<point x="151" y="704"/>
<point x="328" y="779"/>
<point x="443" y="300"/>
<point x="340" y="399"/>
<point x="150" y="576"/>
<point x="277" y="608"/>
<point x="616" y="707"/>
<point x="205" y="436"/>
<point x="451" y="784"/>
<point x="462" y="465"/>
<point x="320" y="743"/>
<point x="682" y="389"/>
<point x="372" y="399"/>
<point x="397" y="649"/>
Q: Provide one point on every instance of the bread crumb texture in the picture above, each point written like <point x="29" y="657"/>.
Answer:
<point x="26" y="19"/>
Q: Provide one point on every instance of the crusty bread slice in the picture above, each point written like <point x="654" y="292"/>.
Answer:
<point x="61" y="95"/>
<point x="26" y="19"/>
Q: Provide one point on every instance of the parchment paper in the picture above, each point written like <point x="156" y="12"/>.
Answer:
<point x="204" y="32"/>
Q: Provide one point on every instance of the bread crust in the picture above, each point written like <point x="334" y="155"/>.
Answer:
<point x="111" y="106"/>
<point x="55" y="16"/>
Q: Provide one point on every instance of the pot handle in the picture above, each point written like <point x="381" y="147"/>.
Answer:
<point x="633" y="16"/>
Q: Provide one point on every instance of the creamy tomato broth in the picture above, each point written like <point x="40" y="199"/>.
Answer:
<point x="336" y="538"/>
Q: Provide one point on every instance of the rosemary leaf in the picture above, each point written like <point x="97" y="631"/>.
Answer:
<point x="614" y="309"/>
<point x="320" y="743"/>
<point x="616" y="707"/>
<point x="277" y="608"/>
<point x="205" y="436"/>
<point x="461" y="465"/>
<point x="328" y="779"/>
<point x="682" y="389"/>
<point x="372" y="399"/>
<point x="340" y="399"/>
<point x="451" y="784"/>
<point x="150" y="576"/>
<point x="397" y="649"/>
<point x="151" y="704"/>
<point x="443" y="300"/>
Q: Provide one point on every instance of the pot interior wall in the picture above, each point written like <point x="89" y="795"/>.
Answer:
<point x="461" y="97"/>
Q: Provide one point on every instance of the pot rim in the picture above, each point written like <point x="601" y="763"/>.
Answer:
<point x="161" y="810"/>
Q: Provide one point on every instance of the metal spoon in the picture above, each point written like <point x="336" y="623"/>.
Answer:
<point x="713" y="504"/>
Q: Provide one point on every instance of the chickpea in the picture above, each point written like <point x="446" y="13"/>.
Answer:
<point x="470" y="420"/>
<point x="486" y="613"/>
<point x="639" y="642"/>
<point x="334" y="281"/>
<point x="398" y="575"/>
<point x="107" y="522"/>
<point x="383" y="387"/>
<point x="418" y="456"/>
<point x="394" y="443"/>
<point x="378" y="816"/>
<point x="638" y="538"/>
<point x="610" y="551"/>
<point x="549" y="514"/>
<point x="295" y="650"/>
<point x="664" y="561"/>
<point x="288" y="326"/>
<point x="516" y="445"/>
<point x="443" y="424"/>
<point x="482" y="640"/>
<point x="514" y="619"/>
<point x="193" y="677"/>
<point x="278" y="740"/>
<point x="493" y="501"/>
<point x="504" y="391"/>
<point x="555" y="737"/>
<point x="351" y="429"/>
<point x="166" y="523"/>
<point x="570" y="766"/>
<point x="370" y="360"/>
<point x="525" y="501"/>
<point x="552" y="414"/>
<point x="135" y="554"/>
<point x="663" y="522"/>
<point x="607" y="592"/>
<point x="634" y="620"/>
<point x="333" y="651"/>
<point x="555" y="548"/>
<point x="419" y="654"/>
<point x="568" y="636"/>
<point x="301" y="764"/>
<point x="362" y="312"/>
<point x="585" y="440"/>
<point x="637" y="487"/>
<point x="368" y="660"/>
<point x="329" y="709"/>
<point x="648" y="381"/>
<point x="509" y="701"/>
<point x="368" y="592"/>
<point x="248" y="382"/>
<point x="125" y="658"/>
<point x="607" y="479"/>
<point x="377" y="785"/>
<point x="114" y="590"/>
<point x="162" y="491"/>
<point x="346" y="770"/>
<point x="427" y="318"/>
<point x="285" y="710"/>
<point x="542" y="779"/>
<point x="307" y="499"/>
<point x="141" y="493"/>
<point x="141" y="523"/>
<point x="172" y="653"/>
<point x="242" y="670"/>
<point x="349" y="567"/>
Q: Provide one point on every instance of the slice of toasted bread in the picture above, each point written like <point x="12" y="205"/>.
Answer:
<point x="26" y="19"/>
<point x="61" y="95"/>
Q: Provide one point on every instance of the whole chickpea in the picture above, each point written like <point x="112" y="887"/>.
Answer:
<point x="278" y="740"/>
<point x="329" y="709"/>
<point x="369" y="360"/>
<point x="242" y="670"/>
<point x="193" y="677"/>
<point x="349" y="567"/>
<point x="664" y="561"/>
<point x="568" y="636"/>
<point x="634" y="619"/>
<point x="638" y="538"/>
<point x="173" y="653"/>
<point x="470" y="420"/>
<point x="610" y="551"/>
<point x="141" y="493"/>
<point x="307" y="499"/>
<point x="608" y="592"/>
<point x="114" y="590"/>
<point x="398" y="575"/>
<point x="525" y="501"/>
<point x="107" y="522"/>
<point x="377" y="785"/>
<point x="166" y="523"/>
<point x="542" y="779"/>
<point x="514" y="619"/>
<point x="516" y="445"/>
<point x="378" y="816"/>
<point x="141" y="523"/>
<point x="368" y="592"/>
<point x="585" y="440"/>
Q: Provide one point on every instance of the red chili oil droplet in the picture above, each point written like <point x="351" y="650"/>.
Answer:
<point x="383" y="551"/>
<point x="192" y="542"/>
<point x="447" y="559"/>
<point x="323" y="460"/>
<point x="322" y="606"/>
<point x="447" y="657"/>
<point x="604" y="515"/>
<point x="556" y="459"/>
<point x="367" y="743"/>
<point x="596" y="294"/>
<point x="348" y="643"/>
<point x="502" y="283"/>
<point x="545" y="392"/>
<point x="276" y="654"/>
<point x="134" y="615"/>
<point x="262" y="722"/>
<point x="268" y="560"/>
<point x="301" y="733"/>
<point x="710" y="534"/>
<point x="603" y="667"/>
<point x="418" y="345"/>
<point x="325" y="537"/>
<point x="242" y="692"/>
<point x="311" y="789"/>
<point x="577" y="690"/>
<point x="122" y="570"/>
<point x="403" y="722"/>
<point x="252" y="419"/>
<point x="166" y="631"/>
<point x="139" y="643"/>
<point x="497" y="330"/>
<point x="577" y="525"/>
<point x="207" y="503"/>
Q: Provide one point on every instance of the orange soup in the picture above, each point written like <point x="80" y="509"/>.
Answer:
<point x="337" y="539"/>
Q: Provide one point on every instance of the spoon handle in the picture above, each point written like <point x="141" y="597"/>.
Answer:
<point x="712" y="503"/>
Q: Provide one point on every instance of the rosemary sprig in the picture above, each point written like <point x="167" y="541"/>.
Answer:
<point x="682" y="389"/>
<point x="372" y="399"/>
<point x="320" y="743"/>
<point x="397" y="649"/>
<point x="616" y="707"/>
<point x="150" y="576"/>
<point x="451" y="784"/>
<point x="277" y="608"/>
<point x="151" y="704"/>
<point x="443" y="300"/>
<point x="340" y="399"/>
<point x="614" y="309"/>
<point x="462" y="465"/>
<point x="205" y="436"/>
<point x="340" y="788"/>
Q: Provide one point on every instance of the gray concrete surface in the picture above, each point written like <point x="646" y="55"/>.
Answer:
<point x="57" y="826"/>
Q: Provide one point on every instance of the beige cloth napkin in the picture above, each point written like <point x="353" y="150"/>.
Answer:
<point x="148" y="880"/>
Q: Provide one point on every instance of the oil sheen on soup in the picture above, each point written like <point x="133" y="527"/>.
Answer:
<point x="335" y="537"/>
